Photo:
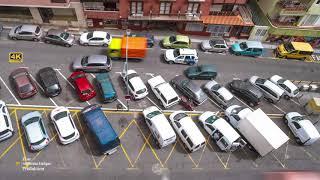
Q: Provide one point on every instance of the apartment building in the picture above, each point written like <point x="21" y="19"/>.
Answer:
<point x="56" y="12"/>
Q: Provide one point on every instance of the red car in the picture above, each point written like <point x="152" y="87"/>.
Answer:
<point x="23" y="83"/>
<point x="83" y="87"/>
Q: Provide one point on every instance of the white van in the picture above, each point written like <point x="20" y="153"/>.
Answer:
<point x="187" y="130"/>
<point x="159" y="126"/>
<point x="163" y="91"/>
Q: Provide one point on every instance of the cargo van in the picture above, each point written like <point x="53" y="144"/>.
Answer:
<point x="294" y="50"/>
<point x="100" y="127"/>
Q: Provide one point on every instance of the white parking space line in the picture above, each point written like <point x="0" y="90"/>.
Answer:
<point x="122" y="104"/>
<point x="93" y="75"/>
<point x="43" y="90"/>
<point x="9" y="91"/>
<point x="278" y="108"/>
<point x="215" y="103"/>
<point x="295" y="102"/>
<point x="150" y="74"/>
<point x="153" y="103"/>
<point x="244" y="103"/>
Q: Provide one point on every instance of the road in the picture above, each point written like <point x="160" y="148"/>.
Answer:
<point x="138" y="157"/>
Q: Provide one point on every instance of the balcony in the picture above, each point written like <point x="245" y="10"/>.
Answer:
<point x="169" y="17"/>
<point x="98" y="14"/>
<point x="295" y="8"/>
<point x="224" y="13"/>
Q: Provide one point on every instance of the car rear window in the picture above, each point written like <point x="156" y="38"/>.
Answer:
<point x="61" y="115"/>
<point x="86" y="92"/>
<point x="69" y="136"/>
<point x="141" y="91"/>
<point x="173" y="100"/>
<point x="39" y="142"/>
<point x="90" y="35"/>
<point x="26" y="88"/>
<point x="108" y="36"/>
<point x="179" y="116"/>
<point x="64" y="35"/>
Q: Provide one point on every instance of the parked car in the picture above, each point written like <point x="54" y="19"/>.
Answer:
<point x="159" y="126"/>
<point x="59" y="37"/>
<point x="26" y="32"/>
<point x="249" y="48"/>
<point x="203" y="71"/>
<point x="95" y="38"/>
<point x="294" y="50"/>
<point x="181" y="56"/>
<point x="35" y="131"/>
<point x="190" y="89"/>
<point x="187" y="130"/>
<point x="219" y="93"/>
<point x="92" y="63"/>
<point x="135" y="84"/>
<point x="235" y="113"/>
<point x="49" y="82"/>
<point x="270" y="91"/>
<point x="287" y="86"/>
<point x="246" y="91"/>
<point x="82" y="86"/>
<point x="214" y="45"/>
<point x="6" y="130"/>
<point x="176" y="41"/>
<point x="303" y="130"/>
<point x="105" y="85"/>
<point x="187" y="103"/>
<point x="23" y="83"/>
<point x="64" y="125"/>
<point x="150" y="38"/>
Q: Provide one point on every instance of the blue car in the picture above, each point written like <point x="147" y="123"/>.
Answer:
<point x="249" y="48"/>
<point x="106" y="87"/>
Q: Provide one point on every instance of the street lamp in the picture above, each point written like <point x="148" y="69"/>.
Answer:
<point x="125" y="69"/>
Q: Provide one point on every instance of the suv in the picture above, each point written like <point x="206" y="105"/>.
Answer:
<point x="214" y="45"/>
<point x="289" y="88"/>
<point x="219" y="93"/>
<point x="26" y="32"/>
<point x="181" y="56"/>
<point x="271" y="91"/>
<point x="246" y="91"/>
<point x="49" y="82"/>
<point x="59" y="37"/>
<point x="6" y="130"/>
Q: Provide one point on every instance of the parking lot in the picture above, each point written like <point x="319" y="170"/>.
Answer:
<point x="138" y="151"/>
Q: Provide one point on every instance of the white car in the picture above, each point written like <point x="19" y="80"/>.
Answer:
<point x="181" y="56"/>
<point x="64" y="125"/>
<point x="135" y="84"/>
<point x="304" y="131"/>
<point x="219" y="93"/>
<point x="234" y="113"/>
<point x="289" y="88"/>
<point x="163" y="91"/>
<point x="95" y="38"/>
<point x="6" y="130"/>
<point x="159" y="126"/>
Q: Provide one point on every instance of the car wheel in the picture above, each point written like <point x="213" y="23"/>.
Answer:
<point x="46" y="41"/>
<point x="251" y="104"/>
<point x="192" y="77"/>
<point x="85" y="44"/>
<point x="67" y="45"/>
<point x="237" y="54"/>
<point x="105" y="45"/>
<point x="14" y="38"/>
<point x="35" y="39"/>
<point x="286" y="97"/>
<point x="170" y="62"/>
<point x="269" y="100"/>
<point x="285" y="121"/>
<point x="227" y="118"/>
<point x="298" y="141"/>
<point x="191" y="63"/>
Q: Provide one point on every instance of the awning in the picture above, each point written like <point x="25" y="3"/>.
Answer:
<point x="196" y="0"/>
<point x="225" y="20"/>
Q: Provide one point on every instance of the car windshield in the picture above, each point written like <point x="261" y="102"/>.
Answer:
<point x="69" y="136"/>
<point x="176" y="53"/>
<point x="153" y="114"/>
<point x="78" y="76"/>
<point x="172" y="38"/>
<point x="86" y="92"/>
<point x="216" y="87"/>
<point x="297" y="118"/>
<point x="211" y="119"/>
<point x="53" y="88"/>
<point x="179" y="116"/>
<point x="237" y="110"/>
<point x="26" y="88"/>
<point x="260" y="81"/>
<point x="60" y="115"/>
<point x="90" y="35"/>
<point x="212" y="42"/>
<point x="243" y="45"/>
<point x="64" y="35"/>
<point x="281" y="81"/>
<point x="84" y="60"/>
<point x="141" y="91"/>
<point x="31" y="120"/>
<point x="288" y="47"/>
<point x="130" y="76"/>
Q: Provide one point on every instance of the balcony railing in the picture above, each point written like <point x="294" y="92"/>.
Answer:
<point x="293" y="5"/>
<point x="167" y="17"/>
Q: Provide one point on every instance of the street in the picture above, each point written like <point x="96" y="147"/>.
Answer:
<point x="138" y="156"/>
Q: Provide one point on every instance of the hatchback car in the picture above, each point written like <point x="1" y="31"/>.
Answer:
<point x="204" y="71"/>
<point x="176" y="41"/>
<point x="150" y="38"/>
<point x="35" y="131"/>
<point x="246" y="91"/>
<point x="190" y="89"/>
<point x="6" y="130"/>
<point x="214" y="45"/>
<point x="249" y="48"/>
<point x="181" y="56"/>
<point x="303" y="130"/>
<point x="49" y="82"/>
<point x="219" y="93"/>
<point x="95" y="38"/>
<point x="23" y="83"/>
<point x="287" y="86"/>
<point x="92" y="63"/>
<point x="26" y="32"/>
<point x="106" y="87"/>
<point x="83" y="87"/>
<point x="64" y="125"/>
<point x="135" y="84"/>
<point x="60" y="37"/>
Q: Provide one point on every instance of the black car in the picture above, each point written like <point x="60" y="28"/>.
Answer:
<point x="246" y="91"/>
<point x="59" y="37"/>
<point x="49" y="82"/>
<point x="150" y="38"/>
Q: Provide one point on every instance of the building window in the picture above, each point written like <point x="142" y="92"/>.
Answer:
<point x="261" y="32"/>
<point x="194" y="27"/>
<point x="111" y="5"/>
<point x="311" y="20"/>
<point x="218" y="30"/>
<point x="227" y="7"/>
<point x="136" y="7"/>
<point x="246" y="30"/>
<point x="102" y="6"/>
<point x="165" y="7"/>
<point x="193" y="8"/>
<point x="58" y="1"/>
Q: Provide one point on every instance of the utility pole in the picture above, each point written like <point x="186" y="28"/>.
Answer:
<point x="125" y="69"/>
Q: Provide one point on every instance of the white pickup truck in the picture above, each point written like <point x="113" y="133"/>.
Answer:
<point x="163" y="91"/>
<point x="258" y="129"/>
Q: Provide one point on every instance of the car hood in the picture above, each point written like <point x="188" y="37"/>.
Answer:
<point x="169" y="54"/>
<point x="236" y="47"/>
<point x="166" y="41"/>
<point x="206" y="44"/>
<point x="77" y="63"/>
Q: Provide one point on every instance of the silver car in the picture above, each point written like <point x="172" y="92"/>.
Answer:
<point x="35" y="132"/>
<point x="26" y="32"/>
<point x="60" y="37"/>
<point x="92" y="63"/>
<point x="219" y="93"/>
<point x="214" y="45"/>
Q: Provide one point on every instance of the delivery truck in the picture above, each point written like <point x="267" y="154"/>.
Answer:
<point x="137" y="48"/>
<point x="257" y="128"/>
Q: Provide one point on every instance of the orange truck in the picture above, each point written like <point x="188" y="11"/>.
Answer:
<point x="137" y="48"/>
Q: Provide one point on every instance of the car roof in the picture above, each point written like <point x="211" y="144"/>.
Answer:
<point x="186" y="51"/>
<point x="274" y="87"/>
<point x="193" y="86"/>
<point x="65" y="127"/>
<point x="254" y="44"/>
<point x="137" y="83"/>
<point x="248" y="86"/>
<point x="167" y="91"/>
<point x="29" y="28"/>
<point x="34" y="132"/>
<point x="182" y="38"/>
<point x="105" y="82"/>
<point x="191" y="129"/>
<point x="303" y="46"/>
<point x="97" y="59"/>
<point x="48" y="76"/>
<point x="56" y="32"/>
<point x="310" y="128"/>
<point x="218" y="41"/>
<point x="22" y="80"/>
<point x="208" y="68"/>
<point x="99" y="34"/>
<point x="226" y="129"/>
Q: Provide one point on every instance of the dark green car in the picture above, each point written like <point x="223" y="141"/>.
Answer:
<point x="204" y="71"/>
<point x="106" y="88"/>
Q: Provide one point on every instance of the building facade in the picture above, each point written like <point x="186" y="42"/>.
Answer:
<point x="57" y="12"/>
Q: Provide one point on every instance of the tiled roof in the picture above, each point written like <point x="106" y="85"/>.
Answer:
<point x="225" y="20"/>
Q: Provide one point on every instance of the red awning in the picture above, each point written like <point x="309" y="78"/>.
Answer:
<point x="226" y="20"/>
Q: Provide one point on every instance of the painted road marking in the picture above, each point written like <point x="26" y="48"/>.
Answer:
<point x="9" y="147"/>
<point x="278" y="108"/>
<point x="150" y="74"/>
<point x="295" y="102"/>
<point x="126" y="108"/>
<point x="153" y="103"/>
<point x="244" y="103"/>
<point x="20" y="135"/>
<point x="9" y="91"/>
